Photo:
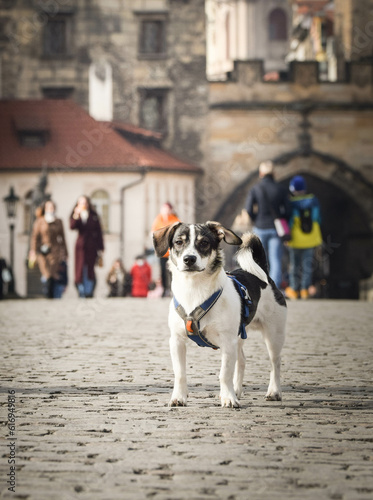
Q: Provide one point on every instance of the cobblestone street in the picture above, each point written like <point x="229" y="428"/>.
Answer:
<point x="92" y="380"/>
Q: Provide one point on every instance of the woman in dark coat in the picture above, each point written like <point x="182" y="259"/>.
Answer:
<point x="89" y="245"/>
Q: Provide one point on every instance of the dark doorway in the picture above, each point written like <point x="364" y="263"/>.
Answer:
<point x="346" y="256"/>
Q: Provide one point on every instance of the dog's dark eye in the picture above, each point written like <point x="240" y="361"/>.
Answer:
<point x="204" y="243"/>
<point x="178" y="243"/>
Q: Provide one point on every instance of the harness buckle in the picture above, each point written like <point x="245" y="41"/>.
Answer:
<point x="245" y="295"/>
<point x="189" y="325"/>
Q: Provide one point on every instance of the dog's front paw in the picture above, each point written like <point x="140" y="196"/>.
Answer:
<point x="273" y="396"/>
<point x="177" y="402"/>
<point x="178" y="398"/>
<point x="229" y="402"/>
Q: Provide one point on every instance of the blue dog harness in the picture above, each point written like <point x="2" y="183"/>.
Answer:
<point x="192" y="321"/>
<point x="245" y="304"/>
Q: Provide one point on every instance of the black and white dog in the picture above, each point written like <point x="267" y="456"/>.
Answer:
<point x="213" y="308"/>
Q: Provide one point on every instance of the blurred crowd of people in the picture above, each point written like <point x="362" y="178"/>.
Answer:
<point x="48" y="250"/>
<point x="287" y="220"/>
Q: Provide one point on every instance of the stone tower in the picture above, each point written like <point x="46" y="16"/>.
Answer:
<point x="307" y="119"/>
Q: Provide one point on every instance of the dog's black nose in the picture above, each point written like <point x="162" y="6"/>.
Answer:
<point x="189" y="260"/>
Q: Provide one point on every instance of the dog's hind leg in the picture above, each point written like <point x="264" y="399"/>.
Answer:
<point x="274" y="337"/>
<point x="228" y="361"/>
<point x="178" y="357"/>
<point x="239" y="370"/>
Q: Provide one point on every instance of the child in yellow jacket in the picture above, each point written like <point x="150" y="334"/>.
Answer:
<point x="306" y="235"/>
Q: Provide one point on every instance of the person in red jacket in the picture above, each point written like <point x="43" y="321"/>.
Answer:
<point x="141" y="274"/>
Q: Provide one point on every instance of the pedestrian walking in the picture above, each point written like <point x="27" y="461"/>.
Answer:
<point x="48" y="248"/>
<point x="266" y="201"/>
<point x="166" y="217"/>
<point x="141" y="274"/>
<point x="119" y="280"/>
<point x="89" y="245"/>
<point x="306" y="236"/>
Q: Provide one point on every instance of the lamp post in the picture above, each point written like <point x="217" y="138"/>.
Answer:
<point x="11" y="207"/>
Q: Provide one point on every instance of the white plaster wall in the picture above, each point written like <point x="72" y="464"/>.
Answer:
<point x="141" y="205"/>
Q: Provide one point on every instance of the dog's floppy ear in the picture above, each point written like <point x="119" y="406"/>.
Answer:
<point x="162" y="238"/>
<point x="229" y="236"/>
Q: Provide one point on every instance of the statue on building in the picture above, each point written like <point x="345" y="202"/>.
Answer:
<point x="38" y="197"/>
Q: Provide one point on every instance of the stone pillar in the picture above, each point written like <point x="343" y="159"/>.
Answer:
<point x="247" y="72"/>
<point x="361" y="73"/>
<point x="304" y="73"/>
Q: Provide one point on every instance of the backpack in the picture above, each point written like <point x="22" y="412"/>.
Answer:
<point x="306" y="222"/>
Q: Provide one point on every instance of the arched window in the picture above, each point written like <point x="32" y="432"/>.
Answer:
<point x="277" y="25"/>
<point x="100" y="202"/>
<point x="153" y="109"/>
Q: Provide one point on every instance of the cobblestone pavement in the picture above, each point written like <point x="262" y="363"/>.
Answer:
<point x="92" y="380"/>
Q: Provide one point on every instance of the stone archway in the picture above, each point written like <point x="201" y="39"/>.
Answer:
<point x="346" y="200"/>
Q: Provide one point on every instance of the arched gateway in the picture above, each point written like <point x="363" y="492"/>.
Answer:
<point x="346" y="199"/>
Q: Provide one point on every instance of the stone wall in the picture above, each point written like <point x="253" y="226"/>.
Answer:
<point x="109" y="31"/>
<point x="251" y="121"/>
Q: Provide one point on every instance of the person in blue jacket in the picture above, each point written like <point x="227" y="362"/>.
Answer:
<point x="306" y="235"/>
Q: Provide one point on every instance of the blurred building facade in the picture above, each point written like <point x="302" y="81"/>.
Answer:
<point x="139" y="65"/>
<point x="122" y="168"/>
<point x="139" y="61"/>
<point x="247" y="30"/>
<point x="290" y="80"/>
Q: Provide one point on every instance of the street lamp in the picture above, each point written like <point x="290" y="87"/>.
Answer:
<point x="11" y="207"/>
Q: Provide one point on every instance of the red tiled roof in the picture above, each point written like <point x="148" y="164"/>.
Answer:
<point x="136" y="131"/>
<point x="74" y="140"/>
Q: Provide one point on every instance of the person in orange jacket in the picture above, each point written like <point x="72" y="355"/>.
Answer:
<point x="166" y="217"/>
<point x="141" y="274"/>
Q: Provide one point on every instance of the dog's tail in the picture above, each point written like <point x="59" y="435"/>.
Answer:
<point x="252" y="258"/>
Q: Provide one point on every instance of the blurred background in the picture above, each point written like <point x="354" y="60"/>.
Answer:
<point x="135" y="103"/>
